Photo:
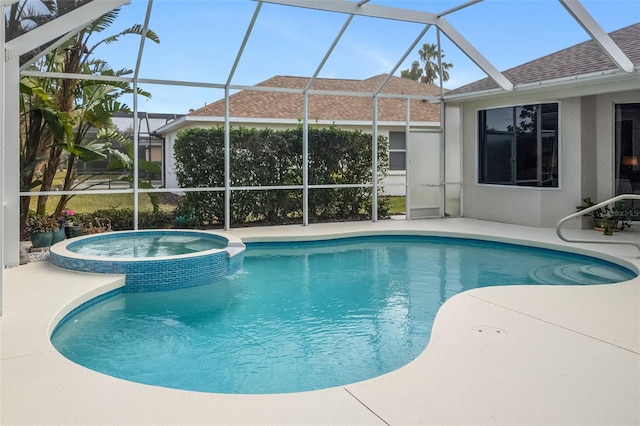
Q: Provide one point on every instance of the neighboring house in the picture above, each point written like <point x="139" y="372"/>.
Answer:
<point x="347" y="104"/>
<point x="151" y="146"/>
<point x="569" y="129"/>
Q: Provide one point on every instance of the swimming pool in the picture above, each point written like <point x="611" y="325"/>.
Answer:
<point x="304" y="316"/>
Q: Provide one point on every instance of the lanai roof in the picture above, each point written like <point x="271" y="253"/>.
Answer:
<point x="580" y="59"/>
<point x="262" y="104"/>
<point x="195" y="74"/>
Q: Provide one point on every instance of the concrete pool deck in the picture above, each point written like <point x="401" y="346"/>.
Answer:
<point x="498" y="355"/>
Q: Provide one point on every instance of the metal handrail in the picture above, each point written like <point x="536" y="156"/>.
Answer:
<point x="591" y="209"/>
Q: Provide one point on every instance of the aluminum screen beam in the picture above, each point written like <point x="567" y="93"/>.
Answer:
<point x="247" y="34"/>
<point x="2" y="167"/>
<point x="474" y="55"/>
<point x="457" y="8"/>
<point x="143" y="38"/>
<point x="369" y="10"/>
<point x="373" y="11"/>
<point x="136" y="121"/>
<point x="406" y="54"/>
<point x="329" y="51"/>
<point x="51" y="48"/>
<point x="598" y="35"/>
<point x="60" y="26"/>
<point x="440" y="64"/>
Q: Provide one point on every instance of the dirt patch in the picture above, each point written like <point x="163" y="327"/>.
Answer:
<point x="169" y="198"/>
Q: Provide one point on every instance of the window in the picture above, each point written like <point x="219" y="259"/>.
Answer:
<point x="397" y="151"/>
<point x="519" y="146"/>
<point x="627" y="159"/>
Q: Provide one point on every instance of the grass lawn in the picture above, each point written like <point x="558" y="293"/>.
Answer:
<point x="88" y="202"/>
<point x="397" y="205"/>
<point x="92" y="202"/>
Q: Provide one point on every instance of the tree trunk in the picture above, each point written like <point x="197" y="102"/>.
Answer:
<point x="30" y="151"/>
<point x="64" y="99"/>
<point x="68" y="183"/>
<point x="48" y="175"/>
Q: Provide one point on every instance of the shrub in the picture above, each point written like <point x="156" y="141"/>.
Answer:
<point x="39" y="223"/>
<point x="122" y="219"/>
<point x="269" y="157"/>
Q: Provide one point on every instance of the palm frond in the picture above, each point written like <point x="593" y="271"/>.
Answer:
<point x="114" y="134"/>
<point x="103" y="22"/>
<point x="119" y="161"/>
<point x="137" y="29"/>
<point x="88" y="153"/>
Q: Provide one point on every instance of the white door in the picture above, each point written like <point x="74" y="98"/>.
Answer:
<point x="424" y="176"/>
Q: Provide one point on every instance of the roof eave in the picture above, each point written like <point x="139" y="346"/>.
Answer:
<point x="177" y="124"/>
<point x="173" y="124"/>
<point x="562" y="82"/>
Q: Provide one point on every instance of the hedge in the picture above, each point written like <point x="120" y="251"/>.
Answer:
<point x="121" y="219"/>
<point x="266" y="157"/>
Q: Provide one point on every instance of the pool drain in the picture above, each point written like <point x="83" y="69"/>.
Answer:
<point x="488" y="330"/>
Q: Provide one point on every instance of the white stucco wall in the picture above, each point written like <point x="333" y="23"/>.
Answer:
<point x="586" y="148"/>
<point x="396" y="183"/>
<point x="453" y="161"/>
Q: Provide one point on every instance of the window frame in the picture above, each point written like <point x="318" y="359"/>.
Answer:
<point x="403" y="151"/>
<point x="626" y="170"/>
<point x="552" y="170"/>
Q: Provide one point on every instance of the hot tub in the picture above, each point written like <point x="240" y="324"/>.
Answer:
<point x="153" y="260"/>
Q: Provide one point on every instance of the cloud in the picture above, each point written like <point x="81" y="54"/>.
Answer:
<point x="370" y="60"/>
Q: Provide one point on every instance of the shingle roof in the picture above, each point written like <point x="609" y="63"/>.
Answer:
<point x="583" y="58"/>
<point x="260" y="104"/>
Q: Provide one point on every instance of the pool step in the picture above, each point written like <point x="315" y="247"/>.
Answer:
<point x="575" y="274"/>
<point x="179" y="239"/>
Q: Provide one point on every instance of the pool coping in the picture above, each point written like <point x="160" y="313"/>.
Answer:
<point x="497" y="355"/>
<point x="234" y="245"/>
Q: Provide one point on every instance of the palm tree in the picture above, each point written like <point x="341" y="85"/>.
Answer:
<point x="39" y="121"/>
<point x="26" y="15"/>
<point x="52" y="108"/>
<point x="431" y="71"/>
<point x="95" y="110"/>
<point x="429" y="56"/>
<point x="74" y="56"/>
<point x="414" y="73"/>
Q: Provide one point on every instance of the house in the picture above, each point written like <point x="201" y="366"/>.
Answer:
<point x="151" y="146"/>
<point x="570" y="128"/>
<point x="345" y="103"/>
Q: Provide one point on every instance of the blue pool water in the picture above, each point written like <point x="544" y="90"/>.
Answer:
<point x="305" y="316"/>
<point x="146" y="244"/>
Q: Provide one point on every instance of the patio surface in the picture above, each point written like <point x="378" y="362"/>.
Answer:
<point x="564" y="355"/>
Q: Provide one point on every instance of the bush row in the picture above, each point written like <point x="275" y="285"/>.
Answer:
<point x="266" y="157"/>
<point x="121" y="219"/>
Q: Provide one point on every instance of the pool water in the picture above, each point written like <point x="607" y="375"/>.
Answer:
<point x="139" y="245"/>
<point x="305" y="316"/>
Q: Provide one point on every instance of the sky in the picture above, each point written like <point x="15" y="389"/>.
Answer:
<point x="200" y="40"/>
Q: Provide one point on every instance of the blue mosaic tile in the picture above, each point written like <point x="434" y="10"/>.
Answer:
<point x="157" y="274"/>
